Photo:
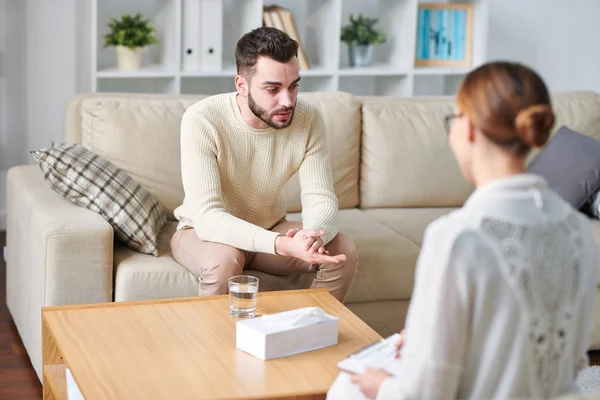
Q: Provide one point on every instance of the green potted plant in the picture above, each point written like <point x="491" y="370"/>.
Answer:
<point x="130" y="35"/>
<point x="360" y="36"/>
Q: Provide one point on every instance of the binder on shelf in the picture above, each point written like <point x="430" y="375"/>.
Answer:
<point x="211" y="38"/>
<point x="191" y="35"/>
<point x="283" y="19"/>
<point x="202" y="35"/>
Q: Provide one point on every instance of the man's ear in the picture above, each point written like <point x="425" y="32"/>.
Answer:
<point x="241" y="85"/>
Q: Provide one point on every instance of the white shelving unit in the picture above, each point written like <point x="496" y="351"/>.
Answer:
<point x="319" y="23"/>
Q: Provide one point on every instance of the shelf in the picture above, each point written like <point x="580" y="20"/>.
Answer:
<point x="150" y="71"/>
<point x="396" y="20"/>
<point x="374" y="70"/>
<point x="186" y="30"/>
<point x="231" y="72"/>
<point x="441" y="70"/>
<point x="227" y="72"/>
<point x="160" y="60"/>
<point x="317" y="25"/>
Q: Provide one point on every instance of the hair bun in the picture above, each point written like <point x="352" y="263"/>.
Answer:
<point x="534" y="124"/>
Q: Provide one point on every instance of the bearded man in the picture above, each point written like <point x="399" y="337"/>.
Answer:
<point x="238" y="150"/>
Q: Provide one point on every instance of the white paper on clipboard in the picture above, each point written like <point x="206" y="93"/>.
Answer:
<point x="380" y="355"/>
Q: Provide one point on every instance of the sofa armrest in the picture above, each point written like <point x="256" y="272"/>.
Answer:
<point x="57" y="253"/>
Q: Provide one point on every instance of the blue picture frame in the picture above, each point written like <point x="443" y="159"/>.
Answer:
<point x="444" y="35"/>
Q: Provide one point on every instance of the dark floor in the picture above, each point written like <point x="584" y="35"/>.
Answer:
<point x="17" y="377"/>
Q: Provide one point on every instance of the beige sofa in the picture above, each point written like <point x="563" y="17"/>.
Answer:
<point x="393" y="172"/>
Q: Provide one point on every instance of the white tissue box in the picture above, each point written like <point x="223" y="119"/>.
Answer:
<point x="287" y="333"/>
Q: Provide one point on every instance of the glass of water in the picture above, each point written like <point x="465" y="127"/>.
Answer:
<point x="243" y="296"/>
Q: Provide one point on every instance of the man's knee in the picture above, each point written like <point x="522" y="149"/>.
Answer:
<point x="212" y="264"/>
<point x="221" y="265"/>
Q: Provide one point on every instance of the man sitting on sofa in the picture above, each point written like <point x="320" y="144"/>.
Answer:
<point x="237" y="152"/>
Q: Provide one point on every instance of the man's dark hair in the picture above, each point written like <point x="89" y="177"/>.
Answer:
<point x="265" y="41"/>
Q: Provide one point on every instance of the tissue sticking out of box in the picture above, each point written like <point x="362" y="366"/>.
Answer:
<point x="294" y="317"/>
<point x="287" y="333"/>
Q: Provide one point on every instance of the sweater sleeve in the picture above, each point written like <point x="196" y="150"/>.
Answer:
<point x="437" y="323"/>
<point x="319" y="202"/>
<point x="202" y="186"/>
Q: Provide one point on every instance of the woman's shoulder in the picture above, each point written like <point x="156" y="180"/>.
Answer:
<point x="453" y="224"/>
<point x="458" y="232"/>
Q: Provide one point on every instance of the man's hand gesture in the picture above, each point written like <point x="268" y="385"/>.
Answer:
<point x="306" y="245"/>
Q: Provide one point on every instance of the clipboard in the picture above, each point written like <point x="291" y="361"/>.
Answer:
<point x="380" y="354"/>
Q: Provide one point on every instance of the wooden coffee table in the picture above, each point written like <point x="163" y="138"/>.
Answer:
<point x="185" y="349"/>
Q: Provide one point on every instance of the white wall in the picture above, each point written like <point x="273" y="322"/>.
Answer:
<point x="46" y="56"/>
<point x="555" y="37"/>
<point x="40" y="68"/>
<point x="51" y="68"/>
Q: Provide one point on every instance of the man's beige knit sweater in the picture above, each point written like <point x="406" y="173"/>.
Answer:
<point x="233" y="174"/>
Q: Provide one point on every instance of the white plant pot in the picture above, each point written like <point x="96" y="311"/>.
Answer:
<point x="129" y="59"/>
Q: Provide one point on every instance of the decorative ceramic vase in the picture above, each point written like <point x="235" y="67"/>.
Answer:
<point x="129" y="59"/>
<point x="360" y="55"/>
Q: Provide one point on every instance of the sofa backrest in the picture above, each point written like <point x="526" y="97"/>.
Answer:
<point x="406" y="161"/>
<point x="396" y="148"/>
<point x="139" y="133"/>
<point x="405" y="157"/>
<point x="578" y="110"/>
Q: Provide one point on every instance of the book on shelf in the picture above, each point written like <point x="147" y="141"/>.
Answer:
<point x="283" y="19"/>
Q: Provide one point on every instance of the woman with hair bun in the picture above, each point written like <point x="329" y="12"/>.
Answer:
<point x="505" y="286"/>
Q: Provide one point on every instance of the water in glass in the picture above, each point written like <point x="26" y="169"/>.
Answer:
<point x="243" y="296"/>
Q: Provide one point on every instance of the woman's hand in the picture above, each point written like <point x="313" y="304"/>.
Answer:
<point x="400" y="342"/>
<point x="370" y="381"/>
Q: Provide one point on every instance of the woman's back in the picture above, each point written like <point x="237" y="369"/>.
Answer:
<point x="530" y="260"/>
<point x="503" y="300"/>
<point x="505" y="287"/>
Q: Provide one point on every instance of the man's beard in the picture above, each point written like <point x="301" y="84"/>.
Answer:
<point x="262" y="114"/>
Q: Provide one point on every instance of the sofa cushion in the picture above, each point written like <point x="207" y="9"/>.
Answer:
<point x="88" y="180"/>
<point x="140" y="136"/>
<point x="385" y="271"/>
<point x="406" y="160"/>
<point x="74" y="118"/>
<point x="139" y="277"/>
<point x="386" y="263"/>
<point x="408" y="222"/>
<point x="571" y="165"/>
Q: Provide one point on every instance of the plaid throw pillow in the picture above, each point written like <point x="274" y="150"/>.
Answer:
<point x="88" y="180"/>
